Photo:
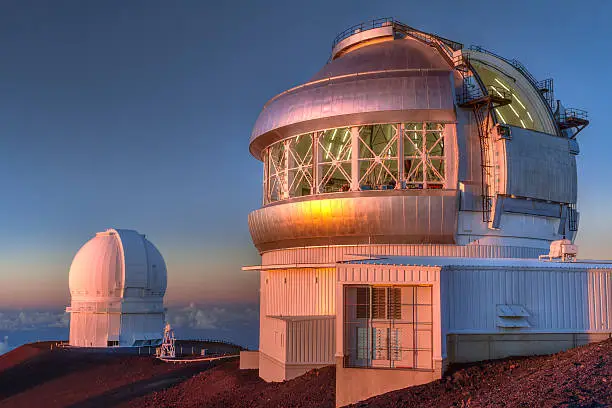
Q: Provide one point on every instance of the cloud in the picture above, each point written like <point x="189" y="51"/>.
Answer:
<point x="4" y="347"/>
<point x="15" y="320"/>
<point x="211" y="317"/>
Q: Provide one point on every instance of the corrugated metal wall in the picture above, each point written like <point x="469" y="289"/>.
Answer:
<point x="328" y="254"/>
<point x="557" y="300"/>
<point x="355" y="273"/>
<point x="311" y="341"/>
<point x="299" y="292"/>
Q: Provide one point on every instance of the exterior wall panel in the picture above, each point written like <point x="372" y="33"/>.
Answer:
<point x="299" y="292"/>
<point x="540" y="166"/>
<point x="556" y="300"/>
<point x="394" y="217"/>
<point x="331" y="254"/>
<point x="311" y="341"/>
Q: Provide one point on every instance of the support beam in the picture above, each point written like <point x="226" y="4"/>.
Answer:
<point x="355" y="158"/>
<point x="400" y="156"/>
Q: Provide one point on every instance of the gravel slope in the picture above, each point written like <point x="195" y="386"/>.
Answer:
<point x="34" y="376"/>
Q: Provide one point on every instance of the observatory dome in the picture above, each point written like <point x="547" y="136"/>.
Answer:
<point x="117" y="283"/>
<point x="99" y="268"/>
<point x="405" y="143"/>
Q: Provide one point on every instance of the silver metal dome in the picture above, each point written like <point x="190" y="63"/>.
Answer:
<point x="392" y="81"/>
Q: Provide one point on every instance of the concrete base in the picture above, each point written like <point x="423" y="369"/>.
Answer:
<point x="465" y="348"/>
<point x="357" y="384"/>
<point x="249" y="360"/>
<point x="272" y="370"/>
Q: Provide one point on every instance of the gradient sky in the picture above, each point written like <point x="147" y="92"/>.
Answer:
<point x="137" y="114"/>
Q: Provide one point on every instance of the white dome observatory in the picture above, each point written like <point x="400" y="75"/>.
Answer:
<point x="117" y="284"/>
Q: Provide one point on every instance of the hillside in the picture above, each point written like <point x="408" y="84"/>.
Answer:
<point x="580" y="377"/>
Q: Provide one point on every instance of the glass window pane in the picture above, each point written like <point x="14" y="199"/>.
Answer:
<point x="423" y="295"/>
<point x="300" y="165"/>
<point x="378" y="151"/>
<point x="424" y="155"/>
<point x="424" y="360"/>
<point x="335" y="160"/>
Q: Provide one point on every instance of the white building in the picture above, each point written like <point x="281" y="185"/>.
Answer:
<point x="389" y="179"/>
<point x="117" y="285"/>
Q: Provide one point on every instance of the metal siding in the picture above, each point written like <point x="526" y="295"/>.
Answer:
<point x="311" y="341"/>
<point x="400" y="217"/>
<point x="558" y="300"/>
<point x="302" y="295"/>
<point x="329" y="254"/>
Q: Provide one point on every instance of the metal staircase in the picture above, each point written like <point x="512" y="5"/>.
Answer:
<point x="482" y="102"/>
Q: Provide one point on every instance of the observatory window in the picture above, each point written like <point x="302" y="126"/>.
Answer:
<point x="384" y="156"/>
<point x="388" y="326"/>
<point x="299" y="165"/>
<point x="378" y="157"/>
<point x="288" y="168"/>
<point x="276" y="172"/>
<point x="334" y="162"/>
<point x="424" y="164"/>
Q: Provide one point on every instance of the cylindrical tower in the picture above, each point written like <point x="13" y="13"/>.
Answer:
<point x="403" y="143"/>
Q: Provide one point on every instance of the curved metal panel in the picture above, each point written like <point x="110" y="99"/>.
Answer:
<point x="416" y="96"/>
<point x="401" y="80"/>
<point x="393" y="55"/>
<point x="402" y="217"/>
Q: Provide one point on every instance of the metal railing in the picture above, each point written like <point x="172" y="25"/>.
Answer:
<point x="357" y="28"/>
<point x="572" y="114"/>
<point x="390" y="21"/>
<point x="544" y="85"/>
<point x="471" y="92"/>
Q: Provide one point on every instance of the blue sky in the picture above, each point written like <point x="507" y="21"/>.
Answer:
<point x="137" y="114"/>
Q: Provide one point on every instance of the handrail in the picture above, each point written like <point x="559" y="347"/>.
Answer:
<point x="390" y="21"/>
<point x="573" y="114"/>
<point x="514" y="62"/>
<point x="538" y="85"/>
<point x="363" y="26"/>
<point x="476" y="92"/>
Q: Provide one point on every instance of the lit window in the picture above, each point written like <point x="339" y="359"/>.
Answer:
<point x="335" y="160"/>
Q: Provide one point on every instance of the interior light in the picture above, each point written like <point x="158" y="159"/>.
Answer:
<point x="514" y="110"/>
<point x="529" y="114"/>
<point x="339" y="150"/>
<point x="328" y="150"/>
<point x="504" y="86"/>
<point x="334" y="134"/>
<point x="495" y="89"/>
<point x="523" y="123"/>
<point x="500" y="115"/>
<point x="345" y="135"/>
<point x="519" y="101"/>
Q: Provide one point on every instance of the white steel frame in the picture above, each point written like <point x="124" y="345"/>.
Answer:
<point x="290" y="167"/>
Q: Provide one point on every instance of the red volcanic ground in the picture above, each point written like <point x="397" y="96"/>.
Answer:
<point x="34" y="376"/>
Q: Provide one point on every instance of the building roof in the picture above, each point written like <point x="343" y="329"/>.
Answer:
<point x="482" y="262"/>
